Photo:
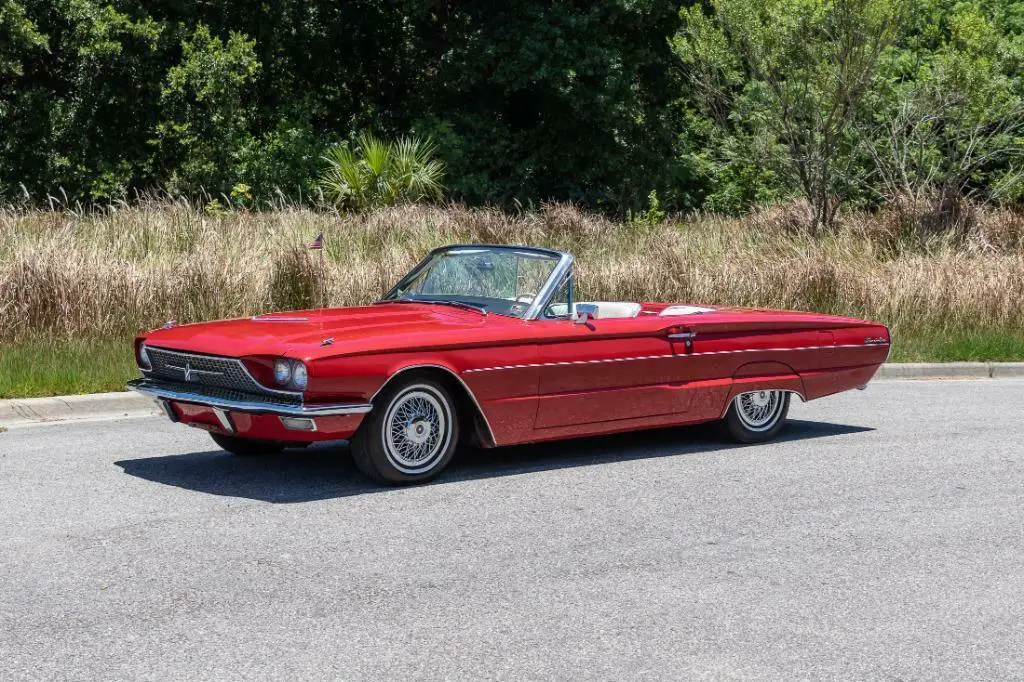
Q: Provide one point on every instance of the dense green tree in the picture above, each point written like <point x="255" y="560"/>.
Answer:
<point x="855" y="101"/>
<point x="78" y="110"/>
<point x="720" y="103"/>
<point x="206" y="111"/>
<point x="946" y="116"/>
<point x="18" y="35"/>
<point x="567" y="100"/>
<point x="528" y="101"/>
<point x="798" y="71"/>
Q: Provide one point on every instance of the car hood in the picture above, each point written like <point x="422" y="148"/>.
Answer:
<point x="303" y="333"/>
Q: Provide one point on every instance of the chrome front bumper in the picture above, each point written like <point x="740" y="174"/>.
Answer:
<point x="161" y="391"/>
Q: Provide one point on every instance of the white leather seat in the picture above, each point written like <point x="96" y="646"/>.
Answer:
<point x="605" y="309"/>
<point x="685" y="310"/>
<point x="610" y="309"/>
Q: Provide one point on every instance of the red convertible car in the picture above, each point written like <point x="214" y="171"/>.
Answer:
<point x="488" y="344"/>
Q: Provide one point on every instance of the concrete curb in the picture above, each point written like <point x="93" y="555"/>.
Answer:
<point x="951" y="370"/>
<point x="28" y="411"/>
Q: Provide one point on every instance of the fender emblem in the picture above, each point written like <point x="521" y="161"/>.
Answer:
<point x="875" y="341"/>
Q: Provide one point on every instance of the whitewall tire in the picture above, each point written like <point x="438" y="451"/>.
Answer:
<point x="411" y="433"/>
<point x="757" y="416"/>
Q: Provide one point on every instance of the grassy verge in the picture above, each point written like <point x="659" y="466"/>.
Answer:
<point x="988" y="345"/>
<point x="35" y="369"/>
<point x="82" y="279"/>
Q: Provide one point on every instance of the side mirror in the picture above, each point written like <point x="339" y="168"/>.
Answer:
<point x="585" y="312"/>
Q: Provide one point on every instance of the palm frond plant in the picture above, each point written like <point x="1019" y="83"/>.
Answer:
<point x="372" y="173"/>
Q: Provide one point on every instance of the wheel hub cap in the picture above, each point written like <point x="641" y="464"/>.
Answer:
<point x="418" y="431"/>
<point x="760" y="398"/>
<point x="760" y="410"/>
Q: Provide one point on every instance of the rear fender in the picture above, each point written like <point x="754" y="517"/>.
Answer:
<point x="760" y="376"/>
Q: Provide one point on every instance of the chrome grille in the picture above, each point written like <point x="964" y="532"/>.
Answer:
<point x="210" y="371"/>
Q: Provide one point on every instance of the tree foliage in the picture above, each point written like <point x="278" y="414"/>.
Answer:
<point x="528" y="101"/>
<point x="948" y="113"/>
<point x="854" y="101"/>
<point x="714" y="104"/>
<point x="800" y="68"/>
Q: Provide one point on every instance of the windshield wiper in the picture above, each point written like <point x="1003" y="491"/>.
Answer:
<point x="455" y="304"/>
<point x="462" y="304"/>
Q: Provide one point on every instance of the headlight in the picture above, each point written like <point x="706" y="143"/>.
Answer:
<point x="282" y="371"/>
<point x="290" y="373"/>
<point x="144" y="361"/>
<point x="299" y="376"/>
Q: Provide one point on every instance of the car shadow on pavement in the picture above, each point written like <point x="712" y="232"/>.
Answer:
<point x="326" y="471"/>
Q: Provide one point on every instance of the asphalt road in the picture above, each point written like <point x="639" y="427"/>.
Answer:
<point x="881" y="538"/>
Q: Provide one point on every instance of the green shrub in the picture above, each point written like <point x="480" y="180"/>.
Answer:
<point x="378" y="173"/>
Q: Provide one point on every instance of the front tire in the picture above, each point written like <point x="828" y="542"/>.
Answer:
<point x="246" y="447"/>
<point x="757" y="416"/>
<point x="410" y="435"/>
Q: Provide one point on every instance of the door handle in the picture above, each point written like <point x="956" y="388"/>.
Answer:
<point x="684" y="336"/>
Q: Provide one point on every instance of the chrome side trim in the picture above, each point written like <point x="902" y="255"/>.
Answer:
<point x="655" y="357"/>
<point x="270" y="318"/>
<point x="572" y="362"/>
<point x="153" y="389"/>
<point x="237" y="361"/>
<point x="469" y="391"/>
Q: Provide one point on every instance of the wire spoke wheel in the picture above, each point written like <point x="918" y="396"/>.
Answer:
<point x="759" y="410"/>
<point x="416" y="429"/>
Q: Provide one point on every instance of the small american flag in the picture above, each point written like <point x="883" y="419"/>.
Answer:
<point x="318" y="243"/>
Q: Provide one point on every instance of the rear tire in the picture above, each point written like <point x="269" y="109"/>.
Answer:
<point x="756" y="416"/>
<point x="410" y="435"/>
<point x="246" y="447"/>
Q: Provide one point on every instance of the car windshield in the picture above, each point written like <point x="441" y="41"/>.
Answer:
<point x="503" y="280"/>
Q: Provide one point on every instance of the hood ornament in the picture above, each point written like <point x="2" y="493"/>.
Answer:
<point x="327" y="342"/>
<point x="168" y="324"/>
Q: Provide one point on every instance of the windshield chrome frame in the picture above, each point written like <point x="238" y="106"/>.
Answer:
<point x="561" y="271"/>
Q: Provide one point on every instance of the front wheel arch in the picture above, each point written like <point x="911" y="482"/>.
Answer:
<point x="411" y="434"/>
<point x="476" y="427"/>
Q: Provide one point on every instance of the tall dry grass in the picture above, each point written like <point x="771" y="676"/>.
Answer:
<point x="112" y="272"/>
